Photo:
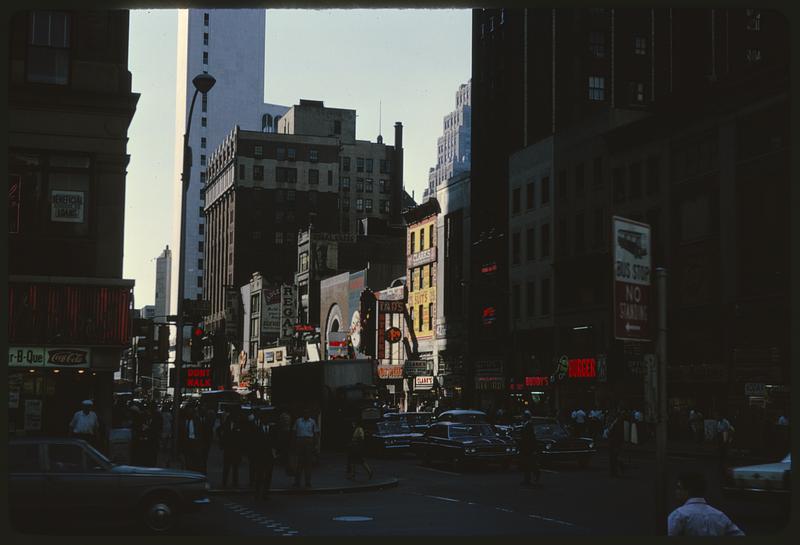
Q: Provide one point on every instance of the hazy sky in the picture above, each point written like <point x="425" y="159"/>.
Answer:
<point x="411" y="61"/>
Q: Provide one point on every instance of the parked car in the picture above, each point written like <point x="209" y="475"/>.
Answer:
<point x="457" y="442"/>
<point x="67" y="481"/>
<point x="557" y="443"/>
<point x="392" y="436"/>
<point x="419" y="421"/>
<point x="773" y="479"/>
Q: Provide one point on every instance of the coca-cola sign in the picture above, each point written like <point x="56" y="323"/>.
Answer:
<point x="67" y="357"/>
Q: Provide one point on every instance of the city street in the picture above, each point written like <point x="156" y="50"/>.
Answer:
<point x="483" y="501"/>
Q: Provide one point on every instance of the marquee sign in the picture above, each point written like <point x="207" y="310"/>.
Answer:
<point x="582" y="368"/>
<point x="390" y="371"/>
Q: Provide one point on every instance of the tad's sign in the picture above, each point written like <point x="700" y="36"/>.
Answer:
<point x="632" y="267"/>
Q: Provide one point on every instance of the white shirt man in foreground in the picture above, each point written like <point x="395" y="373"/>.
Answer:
<point x="84" y="424"/>
<point x="695" y="517"/>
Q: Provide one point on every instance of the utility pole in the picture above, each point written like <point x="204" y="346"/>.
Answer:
<point x="661" y="382"/>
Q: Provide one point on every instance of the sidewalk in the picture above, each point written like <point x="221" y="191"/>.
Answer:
<point x="327" y="477"/>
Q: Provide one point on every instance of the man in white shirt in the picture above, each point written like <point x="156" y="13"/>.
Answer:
<point x="305" y="433"/>
<point x="84" y="424"/>
<point x="580" y="422"/>
<point x="695" y="517"/>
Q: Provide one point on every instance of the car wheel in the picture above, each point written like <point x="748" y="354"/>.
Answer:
<point x="159" y="513"/>
<point x="583" y="462"/>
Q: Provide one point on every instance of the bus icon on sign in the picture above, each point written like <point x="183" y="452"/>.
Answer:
<point x="633" y="242"/>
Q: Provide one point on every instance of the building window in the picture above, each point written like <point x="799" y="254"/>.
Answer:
<point x="561" y="240"/>
<point x="530" y="195"/>
<point x="753" y="17"/>
<point x="421" y="318"/>
<point x="430" y="275"/>
<point x="202" y="160"/>
<point x="345" y="203"/>
<point x="652" y="175"/>
<point x="204" y="122"/>
<point x="385" y="166"/>
<point x="258" y="152"/>
<point x="545" y="190"/>
<point x="199" y="281"/>
<point x="291" y="194"/>
<point x="202" y="212"/>
<point x="546" y="240"/>
<point x="369" y="185"/>
<point x="359" y="164"/>
<point x="278" y="238"/>
<point x="752" y="55"/>
<point x="359" y="205"/>
<point x="599" y="227"/>
<point x="637" y="92"/>
<point x="368" y="205"/>
<point x="640" y="45"/>
<point x="202" y="181"/>
<point x="546" y="296"/>
<point x="597" y="44"/>
<point x="413" y="242"/>
<point x="345" y="184"/>
<point x="530" y="243"/>
<point x="205" y="19"/>
<point x="597" y="88"/>
<point x="203" y="142"/>
<point x="48" y="48"/>
<point x="635" y="175"/>
<point x="286" y="175"/>
<point x="515" y="300"/>
<point x="241" y="172"/>
<point x="280" y="154"/>
<point x="291" y="154"/>
<point x="430" y="236"/>
<point x="579" y="180"/>
<point x="618" y="183"/>
<point x="205" y="38"/>
<point x="330" y="177"/>
<point x="346" y="164"/>
<point x="597" y="178"/>
<point x="411" y="275"/>
<point x="359" y="185"/>
<point x="563" y="192"/>
<point x="204" y="102"/>
<point x="580" y="234"/>
<point x="313" y="155"/>
<point x="531" y="293"/>
<point x="258" y="172"/>
<point x="430" y="316"/>
<point x="369" y="165"/>
<point x="515" y="249"/>
<point x="515" y="200"/>
<point x="313" y="176"/>
<point x="337" y="127"/>
<point x="382" y="187"/>
<point x="201" y="228"/>
<point x="205" y="61"/>
<point x="200" y="246"/>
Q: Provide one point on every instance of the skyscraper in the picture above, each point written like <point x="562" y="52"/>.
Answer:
<point x="229" y="45"/>
<point x="163" y="282"/>
<point x="454" y="147"/>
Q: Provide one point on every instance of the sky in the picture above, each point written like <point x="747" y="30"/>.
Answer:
<point x="411" y="62"/>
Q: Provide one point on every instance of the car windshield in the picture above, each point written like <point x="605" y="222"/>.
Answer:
<point x="550" y="430"/>
<point x="97" y="454"/>
<point x="393" y="427"/>
<point x="480" y="430"/>
<point x="469" y="418"/>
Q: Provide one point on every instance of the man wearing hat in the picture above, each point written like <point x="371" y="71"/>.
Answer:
<point x="84" y="424"/>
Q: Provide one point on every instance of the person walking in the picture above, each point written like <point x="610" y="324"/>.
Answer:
<point x="153" y="436"/>
<point x="85" y="424"/>
<point x="696" y="425"/>
<point x="263" y="459"/>
<point x="190" y="440"/>
<point x="207" y="421"/>
<point x="355" y="454"/>
<point x="232" y="442"/>
<point x="305" y="434"/>
<point x="250" y="430"/>
<point x="615" y="436"/>
<point x="694" y="517"/>
<point x="724" y="438"/>
<point x="580" y="422"/>
<point x="528" y="450"/>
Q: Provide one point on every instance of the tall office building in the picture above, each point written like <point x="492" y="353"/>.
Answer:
<point x="229" y="45"/>
<point x="454" y="146"/>
<point x="163" y="281"/>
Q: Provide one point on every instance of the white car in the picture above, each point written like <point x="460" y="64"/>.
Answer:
<point x="762" y="479"/>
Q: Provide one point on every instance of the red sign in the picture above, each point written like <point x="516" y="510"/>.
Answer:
<point x="304" y="328"/>
<point x="489" y="268"/>
<point x="393" y="335"/>
<point x="197" y="377"/>
<point x="530" y="382"/>
<point x="390" y="371"/>
<point x="582" y="368"/>
<point x="632" y="265"/>
<point x="66" y="357"/>
<point x="489" y="316"/>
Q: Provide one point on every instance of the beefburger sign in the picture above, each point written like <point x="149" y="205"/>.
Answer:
<point x="632" y="269"/>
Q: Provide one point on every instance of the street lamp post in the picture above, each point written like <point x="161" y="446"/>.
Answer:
<point x="202" y="84"/>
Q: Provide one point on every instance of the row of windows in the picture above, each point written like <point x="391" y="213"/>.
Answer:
<point x="284" y="174"/>
<point x="365" y="165"/>
<point x="631" y="188"/>
<point x="423" y="324"/>
<point x="530" y="299"/>
<point x="417" y="278"/>
<point x="421" y="239"/>
<point x="530" y="247"/>
<point x="597" y="44"/>
<point x="364" y="186"/>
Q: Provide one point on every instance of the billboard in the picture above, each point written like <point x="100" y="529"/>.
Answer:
<point x="270" y="311"/>
<point x="288" y="310"/>
<point x="632" y="271"/>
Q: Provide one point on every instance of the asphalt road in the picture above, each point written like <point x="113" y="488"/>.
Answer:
<point x="482" y="501"/>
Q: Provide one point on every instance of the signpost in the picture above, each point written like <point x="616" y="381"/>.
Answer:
<point x="632" y="266"/>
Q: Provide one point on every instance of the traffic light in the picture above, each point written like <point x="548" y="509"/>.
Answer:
<point x="197" y="343"/>
<point x="163" y="343"/>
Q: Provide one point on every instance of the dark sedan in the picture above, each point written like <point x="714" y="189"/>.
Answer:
<point x="392" y="437"/>
<point x="66" y="481"/>
<point x="456" y="442"/>
<point x="419" y="421"/>
<point x="558" y="444"/>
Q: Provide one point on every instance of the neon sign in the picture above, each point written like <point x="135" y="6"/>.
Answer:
<point x="582" y="368"/>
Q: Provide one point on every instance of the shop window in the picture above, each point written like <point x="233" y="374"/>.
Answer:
<point x="48" y="55"/>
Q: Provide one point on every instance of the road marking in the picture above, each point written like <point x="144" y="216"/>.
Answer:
<point x="551" y="520"/>
<point x="504" y="509"/>
<point x="443" y="498"/>
<point x="548" y="471"/>
<point x="441" y="471"/>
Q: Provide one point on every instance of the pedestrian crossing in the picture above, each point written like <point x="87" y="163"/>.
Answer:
<point x="262" y="519"/>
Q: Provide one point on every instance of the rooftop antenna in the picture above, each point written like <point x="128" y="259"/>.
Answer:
<point x="380" y="122"/>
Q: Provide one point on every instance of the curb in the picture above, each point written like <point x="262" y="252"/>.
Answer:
<point x="377" y="485"/>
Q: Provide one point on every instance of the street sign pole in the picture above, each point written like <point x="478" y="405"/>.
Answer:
<point x="661" y="427"/>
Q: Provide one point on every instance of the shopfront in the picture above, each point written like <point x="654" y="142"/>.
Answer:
<point x="392" y="387"/>
<point x="531" y="393"/>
